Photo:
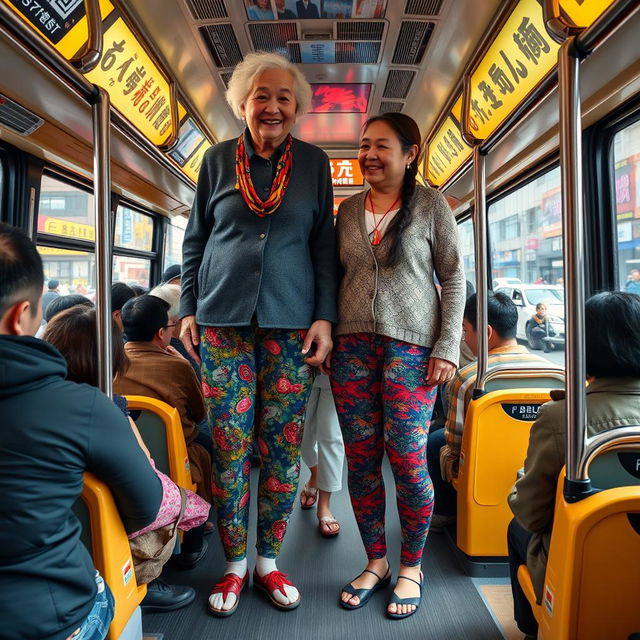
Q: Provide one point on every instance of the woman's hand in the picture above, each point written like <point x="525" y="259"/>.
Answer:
<point x="190" y="336"/>
<point x="319" y="334"/>
<point x="439" y="371"/>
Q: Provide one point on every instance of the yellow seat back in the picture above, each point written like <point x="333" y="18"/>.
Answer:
<point x="592" y="579"/>
<point x="494" y="446"/>
<point x="106" y="539"/>
<point x="160" y="427"/>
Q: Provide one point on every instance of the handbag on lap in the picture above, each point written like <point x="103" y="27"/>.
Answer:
<point x="152" y="550"/>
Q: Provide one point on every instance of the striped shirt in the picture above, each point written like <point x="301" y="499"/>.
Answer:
<point x="459" y="394"/>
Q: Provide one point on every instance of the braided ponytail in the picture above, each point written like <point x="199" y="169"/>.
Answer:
<point x="408" y="134"/>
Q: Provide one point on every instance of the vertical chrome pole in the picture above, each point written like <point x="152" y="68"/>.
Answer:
<point x="102" y="199"/>
<point x="480" y="224"/>
<point x="573" y="243"/>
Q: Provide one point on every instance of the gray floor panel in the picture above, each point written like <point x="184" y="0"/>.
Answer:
<point x="451" y="608"/>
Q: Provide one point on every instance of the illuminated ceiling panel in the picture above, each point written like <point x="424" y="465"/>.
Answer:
<point x="331" y="129"/>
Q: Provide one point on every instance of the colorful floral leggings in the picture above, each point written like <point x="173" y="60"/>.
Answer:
<point x="384" y="403"/>
<point x="249" y="372"/>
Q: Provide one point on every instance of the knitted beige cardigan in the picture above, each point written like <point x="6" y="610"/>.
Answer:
<point x="402" y="301"/>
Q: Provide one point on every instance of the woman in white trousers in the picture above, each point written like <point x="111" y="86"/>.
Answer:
<point x="323" y="452"/>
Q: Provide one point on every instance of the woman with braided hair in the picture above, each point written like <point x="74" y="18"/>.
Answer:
<point x="395" y="342"/>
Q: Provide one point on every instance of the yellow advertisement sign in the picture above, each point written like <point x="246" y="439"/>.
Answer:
<point x="446" y="152"/>
<point x="584" y="12"/>
<point x="61" y="22"/>
<point x="192" y="168"/>
<point x="50" y="251"/>
<point x="135" y="85"/>
<point x="519" y="58"/>
<point x="59" y="227"/>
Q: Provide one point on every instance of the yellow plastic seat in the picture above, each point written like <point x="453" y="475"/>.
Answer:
<point x="161" y="429"/>
<point x="592" y="579"/>
<point x="494" y="446"/>
<point x="105" y="537"/>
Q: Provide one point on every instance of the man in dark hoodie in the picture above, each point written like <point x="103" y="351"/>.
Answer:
<point x="51" y="431"/>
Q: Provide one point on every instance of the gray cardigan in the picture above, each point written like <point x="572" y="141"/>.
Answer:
<point x="280" y="269"/>
<point x="402" y="301"/>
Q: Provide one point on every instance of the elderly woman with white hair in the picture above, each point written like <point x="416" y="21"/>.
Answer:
<point x="258" y="300"/>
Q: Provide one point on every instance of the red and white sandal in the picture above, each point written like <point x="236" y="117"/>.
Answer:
<point x="230" y="583"/>
<point x="275" y="581"/>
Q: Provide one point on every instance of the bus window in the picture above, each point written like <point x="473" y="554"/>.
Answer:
<point x="134" y="230"/>
<point x="131" y="270"/>
<point x="173" y="241"/>
<point x="525" y="234"/>
<point x="626" y="155"/>
<point x="465" y="234"/>
<point x="65" y="210"/>
<point x="74" y="270"/>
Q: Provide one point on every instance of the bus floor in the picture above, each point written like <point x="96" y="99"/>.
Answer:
<point x="454" y="607"/>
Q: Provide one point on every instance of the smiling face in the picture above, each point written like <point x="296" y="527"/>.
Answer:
<point x="270" y="108"/>
<point x="382" y="158"/>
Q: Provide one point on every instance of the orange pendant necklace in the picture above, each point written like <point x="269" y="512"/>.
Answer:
<point x="376" y="237"/>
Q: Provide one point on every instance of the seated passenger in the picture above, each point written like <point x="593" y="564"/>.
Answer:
<point x="170" y="293"/>
<point x="120" y="293"/>
<point x="157" y="370"/>
<point x="612" y="346"/>
<point x="73" y="333"/>
<point x="52" y="432"/>
<point x="541" y="327"/>
<point x="59" y="304"/>
<point x="443" y="448"/>
<point x="172" y="275"/>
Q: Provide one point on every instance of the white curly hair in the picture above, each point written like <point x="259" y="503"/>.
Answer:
<point x="253" y="65"/>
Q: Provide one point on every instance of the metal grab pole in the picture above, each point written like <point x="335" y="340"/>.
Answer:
<point x="480" y="224"/>
<point x="572" y="244"/>
<point x="102" y="198"/>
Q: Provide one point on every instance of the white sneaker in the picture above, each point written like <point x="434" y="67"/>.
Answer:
<point x="440" y="523"/>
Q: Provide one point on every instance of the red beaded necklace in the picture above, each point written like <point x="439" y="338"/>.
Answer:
<point x="278" y="186"/>
<point x="376" y="237"/>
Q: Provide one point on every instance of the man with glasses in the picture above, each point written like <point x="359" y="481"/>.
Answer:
<point x="157" y="370"/>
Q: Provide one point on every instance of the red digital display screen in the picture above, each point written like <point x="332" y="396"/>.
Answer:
<point x="340" y="98"/>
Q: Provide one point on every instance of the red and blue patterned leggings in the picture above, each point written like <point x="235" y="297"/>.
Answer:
<point x="254" y="375"/>
<point x="384" y="404"/>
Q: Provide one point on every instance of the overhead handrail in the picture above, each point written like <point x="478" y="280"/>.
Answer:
<point x="43" y="52"/>
<point x="587" y="39"/>
<point x="611" y="20"/>
<point x="88" y="57"/>
<point x="610" y="440"/>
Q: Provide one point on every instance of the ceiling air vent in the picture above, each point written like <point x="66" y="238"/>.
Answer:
<point x="412" y="42"/>
<point x="359" y="31"/>
<point x="295" y="54"/>
<point x="226" y="76"/>
<point x="389" y="107"/>
<point x="357" y="52"/>
<point x="221" y="42"/>
<point x="423" y="7"/>
<point x="207" y="9"/>
<point x="17" y="118"/>
<point x="273" y="36"/>
<point x="398" y="84"/>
